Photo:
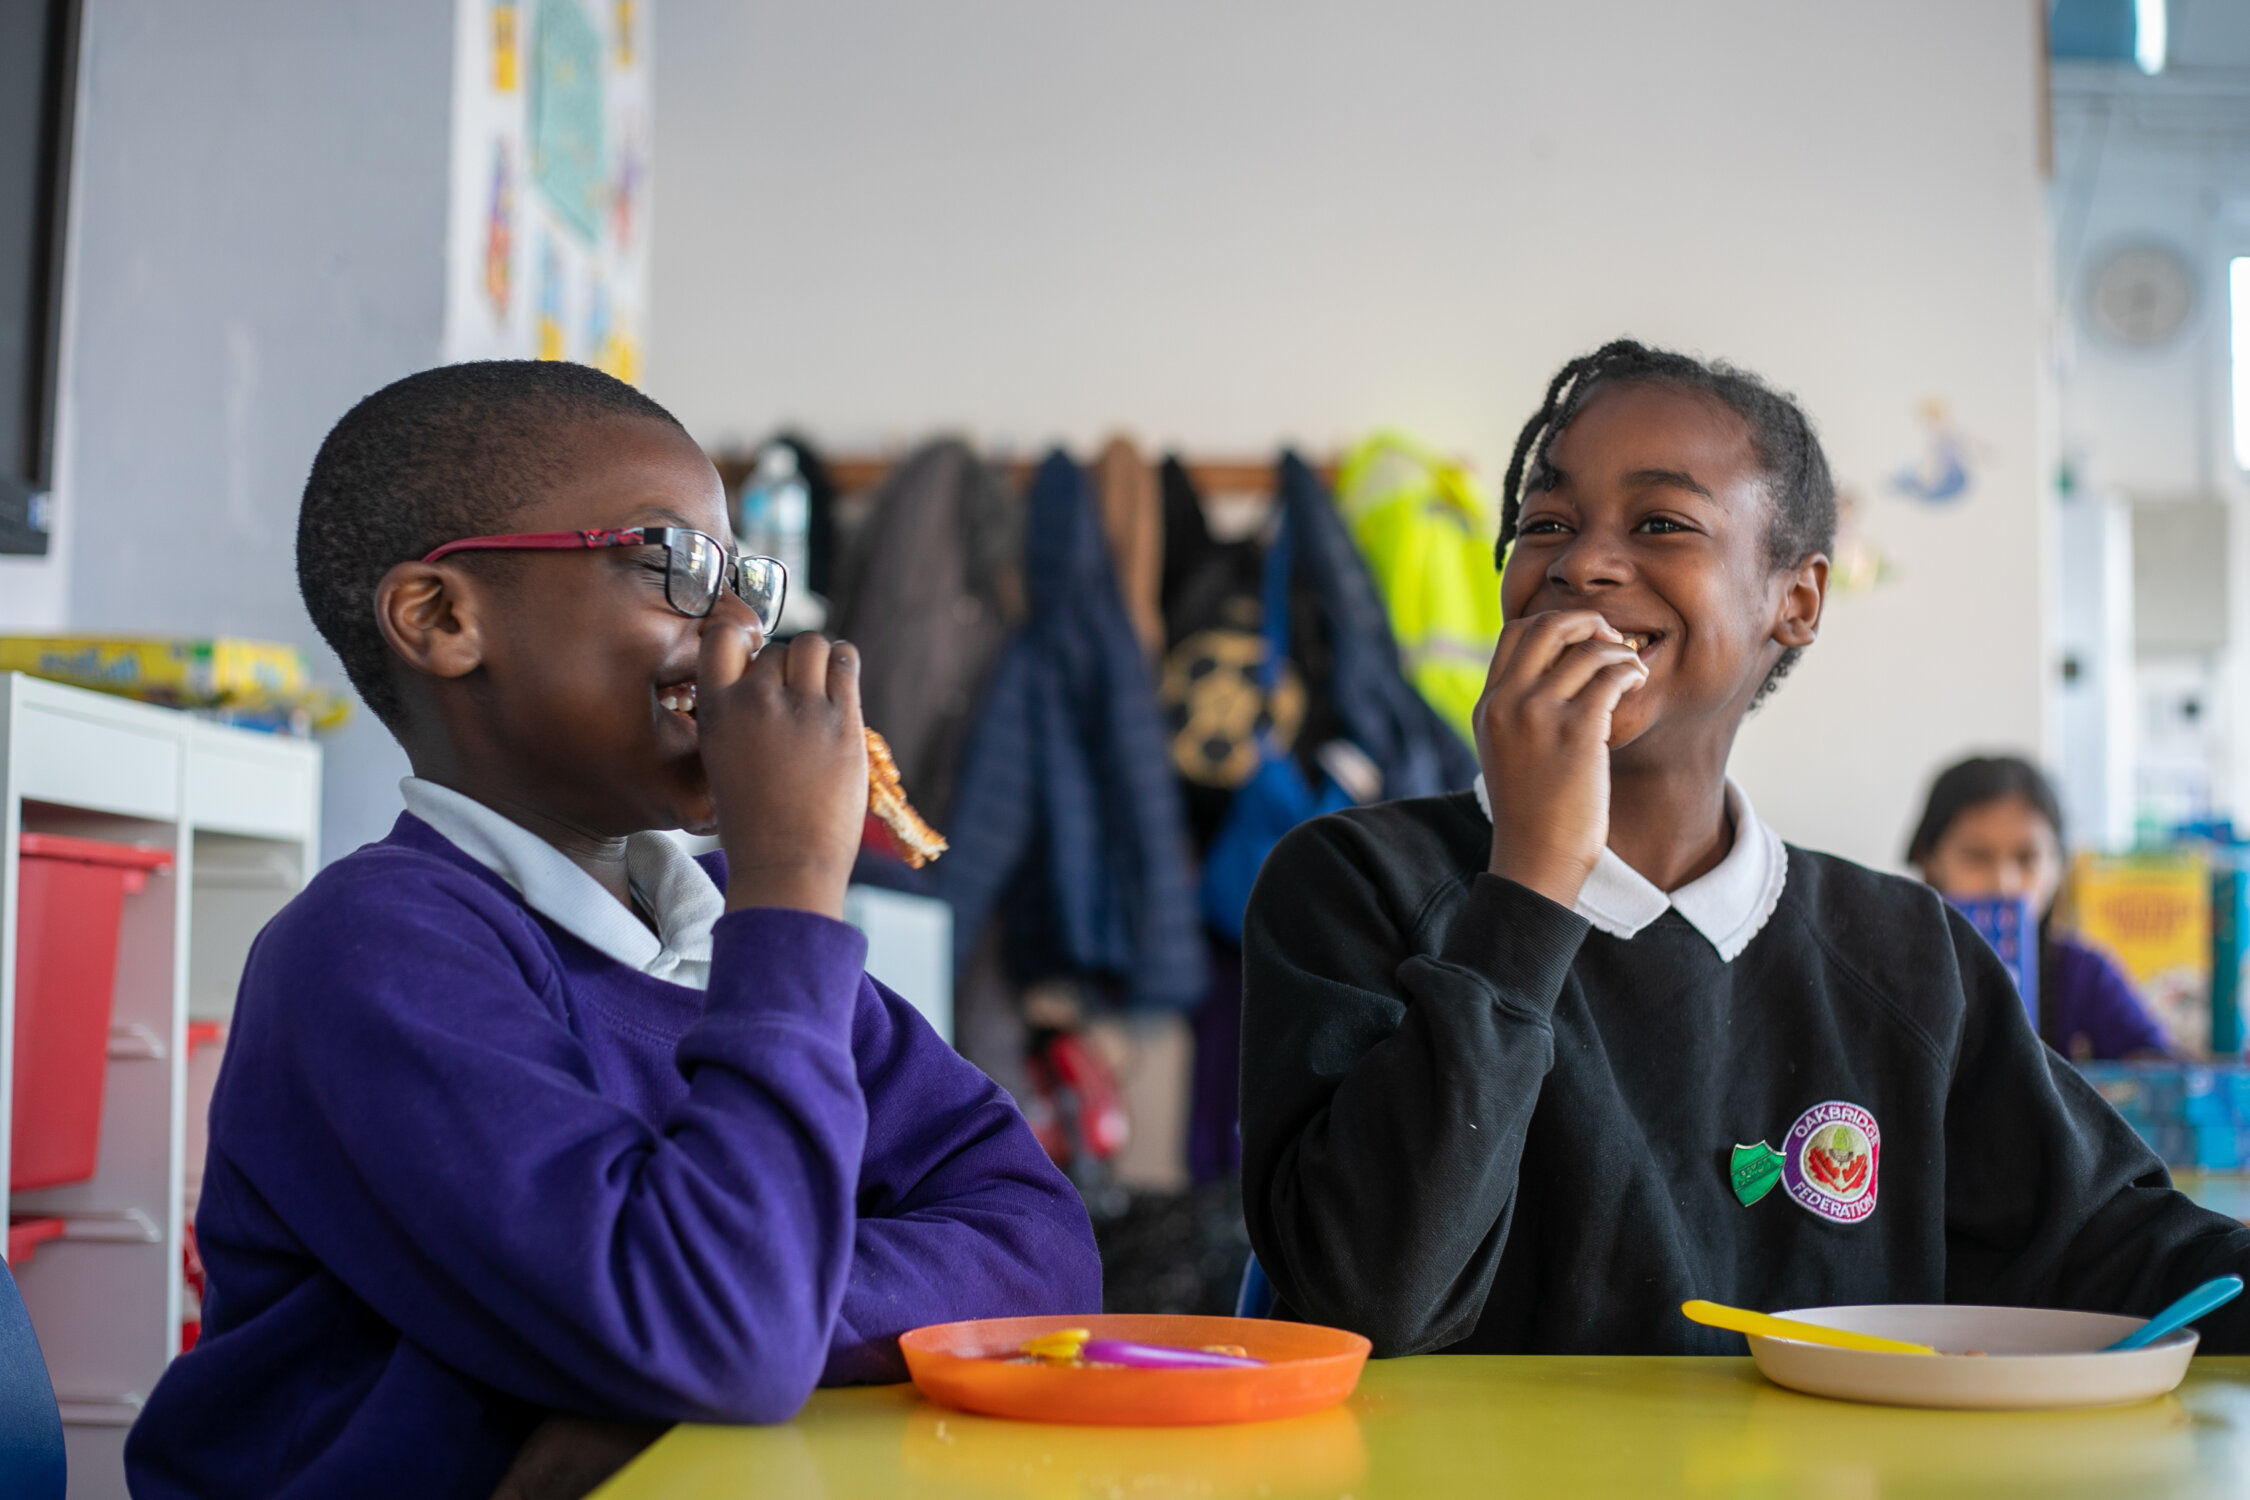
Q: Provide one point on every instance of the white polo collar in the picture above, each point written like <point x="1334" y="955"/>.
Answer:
<point x="1729" y="904"/>
<point x="677" y="891"/>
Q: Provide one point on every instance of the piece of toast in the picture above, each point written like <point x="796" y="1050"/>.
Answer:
<point x="886" y="799"/>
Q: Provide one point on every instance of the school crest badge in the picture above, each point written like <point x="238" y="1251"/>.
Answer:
<point x="1828" y="1163"/>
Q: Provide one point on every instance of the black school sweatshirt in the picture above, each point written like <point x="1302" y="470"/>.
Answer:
<point x="1472" y="1123"/>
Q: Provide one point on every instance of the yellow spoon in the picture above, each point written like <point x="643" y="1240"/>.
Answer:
<point x="1765" y="1325"/>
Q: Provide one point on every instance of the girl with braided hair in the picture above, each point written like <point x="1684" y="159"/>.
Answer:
<point x="1527" y="1066"/>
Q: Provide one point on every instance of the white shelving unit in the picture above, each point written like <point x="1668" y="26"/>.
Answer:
<point x="240" y="814"/>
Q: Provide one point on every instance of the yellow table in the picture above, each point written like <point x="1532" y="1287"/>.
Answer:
<point x="1477" y="1425"/>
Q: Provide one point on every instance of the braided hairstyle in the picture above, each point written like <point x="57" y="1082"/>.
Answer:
<point x="1803" y="519"/>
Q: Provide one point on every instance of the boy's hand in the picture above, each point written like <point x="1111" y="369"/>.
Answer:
<point x="1543" y="741"/>
<point x="782" y="745"/>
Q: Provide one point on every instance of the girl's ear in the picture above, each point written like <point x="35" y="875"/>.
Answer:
<point x="429" y="615"/>
<point x="1804" y="594"/>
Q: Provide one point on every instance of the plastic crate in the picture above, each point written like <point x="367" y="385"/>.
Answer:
<point x="2194" y="1115"/>
<point x="26" y="1235"/>
<point x="71" y="897"/>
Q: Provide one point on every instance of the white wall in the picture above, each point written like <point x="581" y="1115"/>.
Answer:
<point x="1229" y="225"/>
<point x="259" y="201"/>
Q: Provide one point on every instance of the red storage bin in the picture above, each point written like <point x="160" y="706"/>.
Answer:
<point x="27" y="1235"/>
<point x="71" y="893"/>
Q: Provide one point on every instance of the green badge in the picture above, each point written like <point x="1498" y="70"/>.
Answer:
<point x="1755" y="1170"/>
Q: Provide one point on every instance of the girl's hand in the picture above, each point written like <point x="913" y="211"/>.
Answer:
<point x="782" y="745"/>
<point x="1543" y="741"/>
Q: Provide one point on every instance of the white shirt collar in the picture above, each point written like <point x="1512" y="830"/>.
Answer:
<point x="1729" y="904"/>
<point x="678" y="892"/>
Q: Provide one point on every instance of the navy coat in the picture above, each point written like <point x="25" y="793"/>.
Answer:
<point x="1067" y="819"/>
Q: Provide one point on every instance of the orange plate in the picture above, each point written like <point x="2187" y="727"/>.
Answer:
<point x="1308" y="1368"/>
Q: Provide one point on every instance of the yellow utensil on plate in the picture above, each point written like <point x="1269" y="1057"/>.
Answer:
<point x="1765" y="1325"/>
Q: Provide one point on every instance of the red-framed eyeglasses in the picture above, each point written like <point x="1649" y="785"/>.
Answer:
<point x="696" y="565"/>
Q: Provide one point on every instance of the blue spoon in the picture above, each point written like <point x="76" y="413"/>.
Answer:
<point x="2217" y="1292"/>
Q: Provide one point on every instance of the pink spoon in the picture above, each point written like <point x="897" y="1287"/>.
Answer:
<point x="1161" y="1357"/>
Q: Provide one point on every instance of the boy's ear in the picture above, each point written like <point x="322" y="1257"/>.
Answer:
<point x="1804" y="594"/>
<point x="429" y="615"/>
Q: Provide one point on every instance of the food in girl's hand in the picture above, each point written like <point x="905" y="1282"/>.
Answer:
<point x="886" y="799"/>
<point x="1076" y="1348"/>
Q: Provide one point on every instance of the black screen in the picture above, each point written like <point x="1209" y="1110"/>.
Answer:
<point x="38" y="64"/>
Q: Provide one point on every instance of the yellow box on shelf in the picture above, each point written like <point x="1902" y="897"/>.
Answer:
<point x="2151" y="912"/>
<point x="251" y="684"/>
<point x="206" y="673"/>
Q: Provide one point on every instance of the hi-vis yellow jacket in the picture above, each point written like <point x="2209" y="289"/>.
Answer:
<point x="1426" y="530"/>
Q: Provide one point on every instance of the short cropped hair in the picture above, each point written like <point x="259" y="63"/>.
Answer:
<point x="1802" y="490"/>
<point x="440" y="455"/>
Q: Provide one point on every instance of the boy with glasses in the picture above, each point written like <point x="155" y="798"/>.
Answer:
<point x="526" y="1115"/>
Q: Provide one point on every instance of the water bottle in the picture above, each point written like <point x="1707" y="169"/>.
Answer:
<point x="774" y="518"/>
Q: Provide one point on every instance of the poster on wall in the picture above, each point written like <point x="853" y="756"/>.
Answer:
<point x="547" y="241"/>
<point x="1944" y="470"/>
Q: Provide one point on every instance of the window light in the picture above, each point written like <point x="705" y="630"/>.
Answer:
<point x="2150" y="38"/>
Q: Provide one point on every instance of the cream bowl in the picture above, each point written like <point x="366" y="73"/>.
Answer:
<point x="2029" y="1358"/>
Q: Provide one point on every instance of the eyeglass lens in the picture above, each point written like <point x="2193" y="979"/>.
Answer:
<point x="698" y="567"/>
<point x="763" y="584"/>
<point x="692" y="573"/>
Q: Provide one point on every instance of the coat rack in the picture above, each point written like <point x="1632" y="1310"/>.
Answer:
<point x="856" y="473"/>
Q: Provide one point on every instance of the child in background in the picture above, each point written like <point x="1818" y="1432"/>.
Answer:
<point x="1527" y="1067"/>
<point x="1993" y="828"/>
<point x="528" y="1120"/>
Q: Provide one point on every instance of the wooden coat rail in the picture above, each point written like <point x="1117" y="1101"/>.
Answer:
<point x="856" y="473"/>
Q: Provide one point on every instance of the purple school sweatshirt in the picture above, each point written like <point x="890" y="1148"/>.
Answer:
<point x="464" y="1169"/>
<point x="2088" y="1008"/>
